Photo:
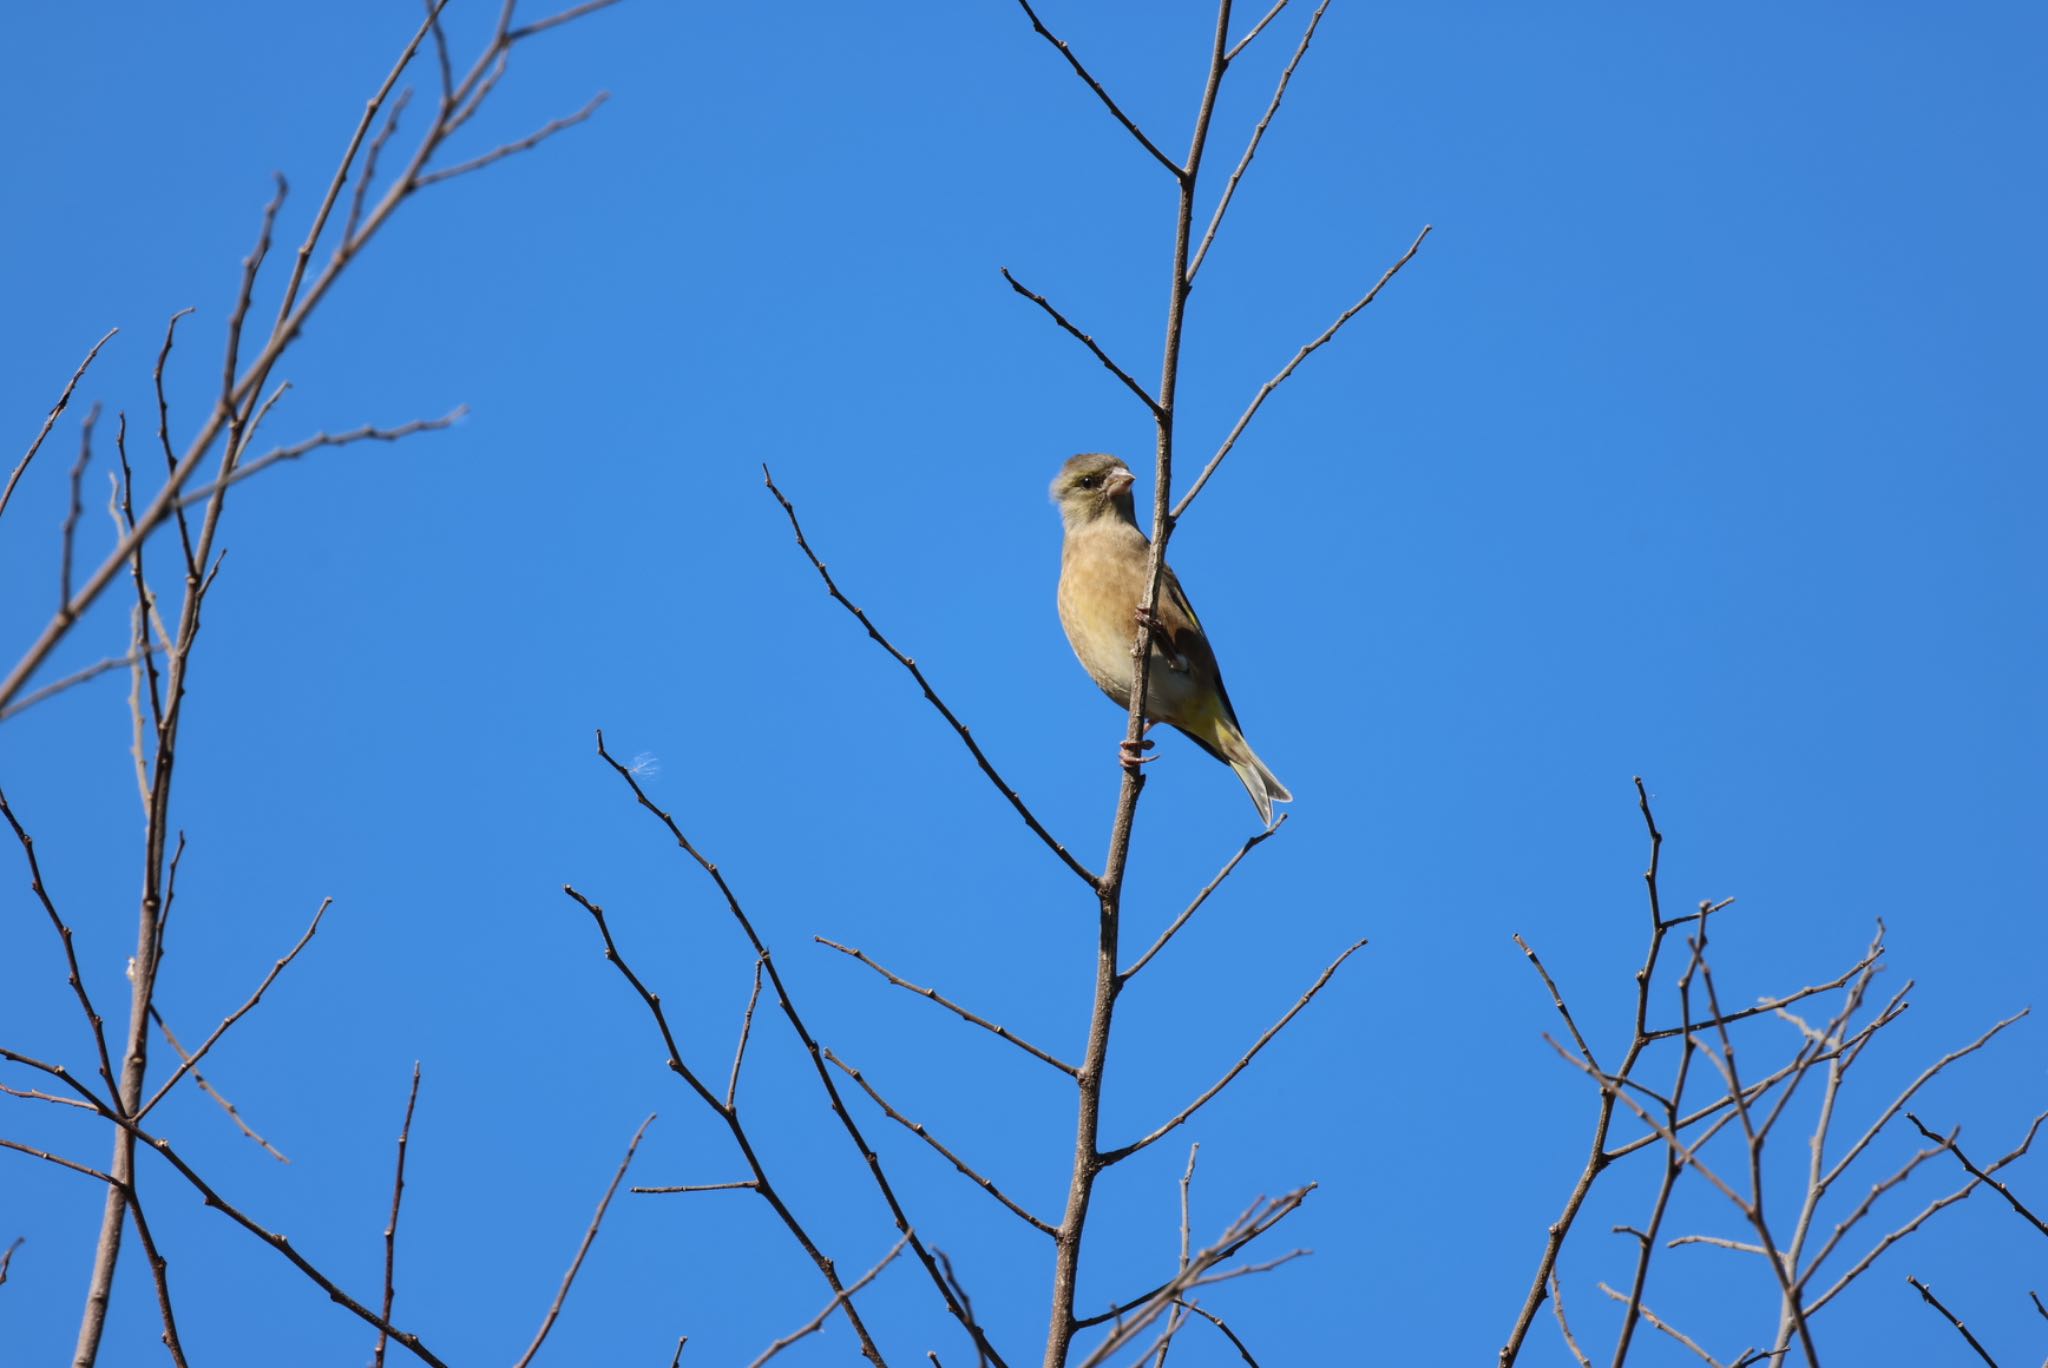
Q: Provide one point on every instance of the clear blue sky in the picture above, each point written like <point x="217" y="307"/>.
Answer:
<point x="1703" y="441"/>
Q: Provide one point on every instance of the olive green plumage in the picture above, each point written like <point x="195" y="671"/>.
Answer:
<point x="1103" y="565"/>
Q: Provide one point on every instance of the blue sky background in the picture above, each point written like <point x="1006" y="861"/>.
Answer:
<point x="1703" y="441"/>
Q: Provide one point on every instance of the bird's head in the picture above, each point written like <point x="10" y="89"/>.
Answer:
<point x="1093" y="486"/>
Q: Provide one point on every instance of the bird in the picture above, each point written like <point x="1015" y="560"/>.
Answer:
<point x="1104" y="559"/>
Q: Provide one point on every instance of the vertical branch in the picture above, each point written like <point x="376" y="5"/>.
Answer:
<point x="1088" y="1159"/>
<point x="391" y="1226"/>
<point x="1598" y="1158"/>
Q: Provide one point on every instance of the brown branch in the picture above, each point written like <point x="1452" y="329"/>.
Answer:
<point x="921" y="1133"/>
<point x="1252" y="842"/>
<point x="930" y="694"/>
<point x="367" y="433"/>
<point x="1564" y="1326"/>
<point x="94" y="1022"/>
<point x="1948" y="1143"/>
<point x="56" y="411"/>
<point x="1257" y="29"/>
<point x="574" y="12"/>
<point x="199" y="1080"/>
<point x="1180" y="509"/>
<point x="1179" y="174"/>
<point x="702" y="1187"/>
<point x="1144" y="397"/>
<point x="1903" y="1098"/>
<point x="159" y="1276"/>
<point x="7" y="1256"/>
<point x="932" y="995"/>
<point x="1217" y="1320"/>
<point x="74" y="679"/>
<point x="811" y="1326"/>
<point x="1255" y="1221"/>
<point x="732" y="1085"/>
<point x="295" y="307"/>
<point x="1251" y="148"/>
<point x="1927" y="1295"/>
<point x="589" y="1238"/>
<point x="71" y="518"/>
<point x="1598" y="1156"/>
<point x="240" y="1012"/>
<point x="1125" y="1152"/>
<point x="803" y="1034"/>
<point x="533" y="139"/>
<point x="729" y="1115"/>
<point x="1754" y="1209"/>
<point x="406" y="1339"/>
<point x="412" y="1097"/>
<point x="1657" y="1324"/>
<point x="1777" y="1004"/>
<point x="384" y="134"/>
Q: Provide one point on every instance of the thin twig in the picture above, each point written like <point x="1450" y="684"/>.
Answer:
<point x="199" y="1081"/>
<point x="1657" y="1324"/>
<point x="930" y="694"/>
<point x="1103" y="95"/>
<point x="932" y="995"/>
<point x="1927" y="1295"/>
<point x="1564" y="1326"/>
<point x="369" y="432"/>
<point x="1126" y="1151"/>
<point x="589" y="1238"/>
<point x="1257" y="29"/>
<point x="74" y="679"/>
<point x="1252" y="842"/>
<point x="240" y="1012"/>
<point x="1265" y="390"/>
<point x="1252" y="147"/>
<point x="533" y="139"/>
<point x="56" y="411"/>
<point x="412" y="1098"/>
<point x="921" y="1133"/>
<point x="1144" y="397"/>
<point x="811" y="1326"/>
<point x="1948" y="1143"/>
<point x="702" y="1187"/>
<point x="732" y="1085"/>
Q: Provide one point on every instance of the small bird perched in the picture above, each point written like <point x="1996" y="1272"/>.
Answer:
<point x="1103" y="565"/>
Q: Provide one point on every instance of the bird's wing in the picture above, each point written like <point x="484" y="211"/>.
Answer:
<point x="1185" y="631"/>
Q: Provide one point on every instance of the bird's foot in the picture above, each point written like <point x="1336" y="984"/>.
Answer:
<point x="1129" y="752"/>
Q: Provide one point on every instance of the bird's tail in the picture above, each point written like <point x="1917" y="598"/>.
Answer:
<point x="1221" y="738"/>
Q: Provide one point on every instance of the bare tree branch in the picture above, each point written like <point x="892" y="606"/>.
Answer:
<point x="1252" y="147"/>
<point x="931" y="696"/>
<point x="811" y="1326"/>
<point x="366" y="433"/>
<point x="1927" y="1295"/>
<point x="1253" y="842"/>
<point x="921" y="1133"/>
<point x="239" y="1012"/>
<point x="1125" y="1152"/>
<point x="199" y="1081"/>
<point x="787" y="1003"/>
<point x="1130" y="127"/>
<point x="1144" y="396"/>
<point x="932" y="995"/>
<point x="1244" y="421"/>
<point x="589" y="1238"/>
<point x="412" y="1098"/>
<point x="56" y="412"/>
<point x="1948" y="1143"/>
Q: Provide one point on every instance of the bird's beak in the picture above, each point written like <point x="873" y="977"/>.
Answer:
<point x="1119" y="483"/>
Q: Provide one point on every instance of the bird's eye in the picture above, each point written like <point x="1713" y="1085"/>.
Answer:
<point x="1090" y="481"/>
